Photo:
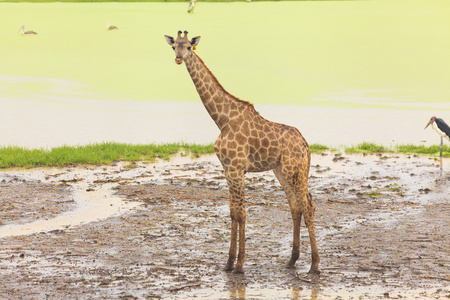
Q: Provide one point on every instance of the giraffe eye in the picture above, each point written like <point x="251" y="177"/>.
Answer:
<point x="189" y="48"/>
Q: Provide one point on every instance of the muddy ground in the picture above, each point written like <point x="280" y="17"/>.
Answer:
<point x="382" y="225"/>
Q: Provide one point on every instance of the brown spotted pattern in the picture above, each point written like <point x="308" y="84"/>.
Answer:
<point x="250" y="143"/>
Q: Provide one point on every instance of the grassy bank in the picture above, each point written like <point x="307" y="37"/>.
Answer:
<point x="107" y="153"/>
<point x="94" y="154"/>
<point x="405" y="149"/>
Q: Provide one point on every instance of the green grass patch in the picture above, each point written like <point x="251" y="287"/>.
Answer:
<point x="94" y="154"/>
<point x="432" y="150"/>
<point x="372" y="148"/>
<point x="110" y="152"/>
<point x="366" y="148"/>
<point x="318" y="148"/>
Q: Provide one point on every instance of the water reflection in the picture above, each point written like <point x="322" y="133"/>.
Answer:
<point x="242" y="292"/>
<point x="241" y="286"/>
<point x="237" y="292"/>
<point x="297" y="294"/>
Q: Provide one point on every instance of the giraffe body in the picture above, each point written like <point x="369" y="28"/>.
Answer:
<point x="250" y="143"/>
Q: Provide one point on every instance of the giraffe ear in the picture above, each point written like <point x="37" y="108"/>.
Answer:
<point x="195" y="41"/>
<point x="169" y="40"/>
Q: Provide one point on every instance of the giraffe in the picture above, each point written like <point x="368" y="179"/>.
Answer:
<point x="250" y="143"/>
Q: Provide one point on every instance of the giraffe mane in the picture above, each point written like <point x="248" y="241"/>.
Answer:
<point x="223" y="89"/>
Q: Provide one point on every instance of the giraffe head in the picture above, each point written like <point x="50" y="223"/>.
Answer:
<point x="182" y="46"/>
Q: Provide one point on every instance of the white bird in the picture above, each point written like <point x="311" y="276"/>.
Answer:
<point x="191" y="6"/>
<point x="23" y="32"/>
<point x="112" y="27"/>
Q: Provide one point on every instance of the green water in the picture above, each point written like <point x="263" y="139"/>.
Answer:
<point x="384" y="54"/>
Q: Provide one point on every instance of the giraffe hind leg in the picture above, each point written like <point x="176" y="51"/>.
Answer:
<point x="309" y="221"/>
<point x="296" y="214"/>
<point x="296" y="220"/>
<point x="301" y="204"/>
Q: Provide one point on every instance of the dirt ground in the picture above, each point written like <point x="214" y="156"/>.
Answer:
<point x="382" y="224"/>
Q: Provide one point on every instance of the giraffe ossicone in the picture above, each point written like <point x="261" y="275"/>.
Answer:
<point x="250" y="143"/>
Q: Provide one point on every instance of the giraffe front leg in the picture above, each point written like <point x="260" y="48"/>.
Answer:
<point x="233" y="246"/>
<point x="241" y="255"/>
<point x="238" y="214"/>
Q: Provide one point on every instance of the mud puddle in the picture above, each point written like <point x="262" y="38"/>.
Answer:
<point x="381" y="223"/>
<point x="88" y="190"/>
<point x="88" y="204"/>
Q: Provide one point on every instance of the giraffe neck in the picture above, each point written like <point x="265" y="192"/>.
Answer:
<point x="221" y="105"/>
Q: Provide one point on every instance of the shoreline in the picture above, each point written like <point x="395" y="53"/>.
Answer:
<point x="109" y="154"/>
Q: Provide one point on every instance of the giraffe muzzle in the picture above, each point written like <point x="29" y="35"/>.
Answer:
<point x="178" y="60"/>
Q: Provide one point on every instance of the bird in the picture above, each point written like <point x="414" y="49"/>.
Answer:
<point x="441" y="128"/>
<point x="112" y="27"/>
<point x="191" y="6"/>
<point x="23" y="32"/>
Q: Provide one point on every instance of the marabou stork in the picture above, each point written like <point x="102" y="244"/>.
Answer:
<point x="191" y="6"/>
<point x="112" y="27"/>
<point x="23" y="32"/>
<point x="441" y="128"/>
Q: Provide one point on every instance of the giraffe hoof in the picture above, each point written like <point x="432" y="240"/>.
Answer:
<point x="241" y="271"/>
<point x="291" y="264"/>
<point x="314" y="271"/>
<point x="228" y="269"/>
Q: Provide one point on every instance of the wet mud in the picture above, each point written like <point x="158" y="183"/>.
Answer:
<point x="23" y="202"/>
<point x="382" y="226"/>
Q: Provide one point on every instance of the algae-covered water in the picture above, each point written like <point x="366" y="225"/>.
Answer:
<point x="341" y="71"/>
